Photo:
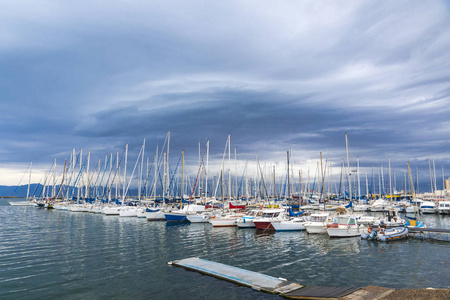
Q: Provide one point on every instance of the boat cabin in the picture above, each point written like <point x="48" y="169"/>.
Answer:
<point x="343" y="221"/>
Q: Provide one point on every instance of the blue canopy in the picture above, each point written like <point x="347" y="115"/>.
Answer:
<point x="293" y="214"/>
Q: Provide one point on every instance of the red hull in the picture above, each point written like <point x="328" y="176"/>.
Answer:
<point x="231" y="206"/>
<point x="263" y="225"/>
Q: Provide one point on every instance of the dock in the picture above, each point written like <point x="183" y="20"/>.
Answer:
<point x="291" y="290"/>
<point x="438" y="234"/>
<point x="254" y="280"/>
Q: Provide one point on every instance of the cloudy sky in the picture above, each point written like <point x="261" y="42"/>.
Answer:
<point x="273" y="74"/>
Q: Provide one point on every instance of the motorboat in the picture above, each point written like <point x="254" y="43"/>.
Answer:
<point x="317" y="223"/>
<point x="444" y="207"/>
<point x="293" y="224"/>
<point x="345" y="226"/>
<point x="428" y="207"/>
<point x="225" y="219"/>
<point x="414" y="207"/>
<point x="246" y="221"/>
<point x="267" y="217"/>
<point x="391" y="219"/>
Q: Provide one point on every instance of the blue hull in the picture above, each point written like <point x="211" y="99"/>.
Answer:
<point x="176" y="217"/>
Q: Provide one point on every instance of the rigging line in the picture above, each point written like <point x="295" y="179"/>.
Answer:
<point x="198" y="173"/>
<point x="171" y="180"/>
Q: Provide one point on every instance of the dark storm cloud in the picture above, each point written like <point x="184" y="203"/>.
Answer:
<point x="272" y="75"/>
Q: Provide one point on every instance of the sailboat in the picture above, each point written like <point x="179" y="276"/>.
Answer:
<point x="26" y="202"/>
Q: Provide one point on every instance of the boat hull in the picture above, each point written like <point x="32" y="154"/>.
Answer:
<point x="393" y="234"/>
<point x="110" y="211"/>
<point x="198" y="218"/>
<point x="316" y="228"/>
<point x="222" y="222"/>
<point x="263" y="225"/>
<point x="288" y="226"/>
<point x="19" y="203"/>
<point x="245" y="223"/>
<point x="176" y="217"/>
<point x="344" y="232"/>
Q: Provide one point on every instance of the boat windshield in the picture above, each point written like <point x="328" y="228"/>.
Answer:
<point x="343" y="220"/>
<point x="270" y="215"/>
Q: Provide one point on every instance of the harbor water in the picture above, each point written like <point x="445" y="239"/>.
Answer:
<point x="51" y="254"/>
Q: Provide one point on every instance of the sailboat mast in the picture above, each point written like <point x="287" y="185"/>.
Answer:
<point x="29" y="181"/>
<point x="434" y="171"/>
<point x="206" y="169"/>
<point x="359" y="183"/>
<point x="167" y="162"/>
<point x="348" y="167"/>
<point x="125" y="174"/>
<point x="117" y="170"/>
<point x="229" y="168"/>
<point x="431" y="176"/>
<point x="86" y="192"/>
<point x="288" y="175"/>
<point x="142" y="171"/>
<point x="156" y="174"/>
<point x="182" y="178"/>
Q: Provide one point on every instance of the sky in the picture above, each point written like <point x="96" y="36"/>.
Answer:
<point x="274" y="75"/>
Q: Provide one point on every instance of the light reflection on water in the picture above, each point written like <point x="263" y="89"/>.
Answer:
<point x="54" y="254"/>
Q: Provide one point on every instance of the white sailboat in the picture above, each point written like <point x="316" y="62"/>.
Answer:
<point x="26" y="202"/>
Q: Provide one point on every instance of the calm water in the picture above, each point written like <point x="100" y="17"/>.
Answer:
<point x="50" y="254"/>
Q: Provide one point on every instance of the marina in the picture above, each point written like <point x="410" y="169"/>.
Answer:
<point x="95" y="255"/>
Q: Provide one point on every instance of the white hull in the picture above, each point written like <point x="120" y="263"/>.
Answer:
<point x="19" y="203"/>
<point x="110" y="211"/>
<point x="78" y="208"/>
<point x="198" y="218"/>
<point x="128" y="212"/>
<point x="361" y="208"/>
<point x="320" y="228"/>
<point x="245" y="223"/>
<point x="223" y="222"/>
<point x="155" y="216"/>
<point x="428" y="210"/>
<point x="289" y="225"/>
<point x="96" y="210"/>
<point x="345" y="231"/>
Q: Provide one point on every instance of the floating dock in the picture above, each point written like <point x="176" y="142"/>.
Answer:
<point x="291" y="290"/>
<point x="254" y="280"/>
<point x="262" y="282"/>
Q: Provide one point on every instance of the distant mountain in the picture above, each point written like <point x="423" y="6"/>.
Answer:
<point x="19" y="191"/>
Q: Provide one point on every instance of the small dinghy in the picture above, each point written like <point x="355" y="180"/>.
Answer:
<point x="393" y="234"/>
<point x="386" y="235"/>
